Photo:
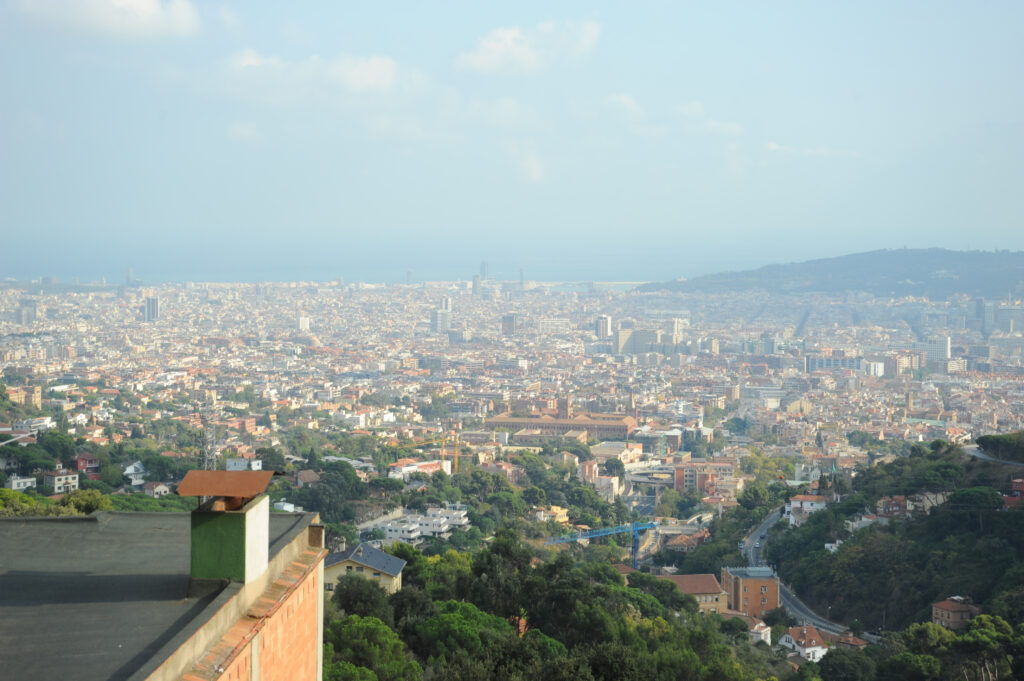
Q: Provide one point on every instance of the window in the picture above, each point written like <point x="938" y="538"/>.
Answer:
<point x="348" y="568"/>
<point x="764" y="589"/>
<point x="329" y="587"/>
<point x="359" y="569"/>
<point x="376" y="574"/>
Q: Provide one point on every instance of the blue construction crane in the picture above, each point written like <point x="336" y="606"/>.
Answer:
<point x="635" y="528"/>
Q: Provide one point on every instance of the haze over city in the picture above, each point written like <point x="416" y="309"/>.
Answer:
<point x="257" y="141"/>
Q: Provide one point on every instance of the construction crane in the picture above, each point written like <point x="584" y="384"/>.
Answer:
<point x="443" y="441"/>
<point x="635" y="528"/>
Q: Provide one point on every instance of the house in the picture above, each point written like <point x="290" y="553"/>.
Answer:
<point x="20" y="483"/>
<point x="157" y="490"/>
<point x="685" y="543"/>
<point x="800" y="506"/>
<point x="88" y="465"/>
<point x="136" y="473"/>
<point x="557" y="513"/>
<point x="756" y="628"/>
<point x="752" y="590"/>
<point x="806" y="642"/>
<point x="953" y="612"/>
<point x="711" y="597"/>
<point x="238" y="463"/>
<point x="306" y="478"/>
<point x="61" y="481"/>
<point x="365" y="561"/>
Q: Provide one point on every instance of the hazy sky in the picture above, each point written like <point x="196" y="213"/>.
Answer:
<point x="618" y="141"/>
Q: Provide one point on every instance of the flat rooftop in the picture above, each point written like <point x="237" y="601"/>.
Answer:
<point x="103" y="596"/>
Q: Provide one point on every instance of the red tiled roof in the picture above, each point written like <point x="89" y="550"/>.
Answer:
<point x="224" y="483"/>
<point x="696" y="584"/>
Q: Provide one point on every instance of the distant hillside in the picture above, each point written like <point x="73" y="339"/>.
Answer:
<point x="933" y="272"/>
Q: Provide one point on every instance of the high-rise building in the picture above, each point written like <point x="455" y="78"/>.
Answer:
<point x="28" y="312"/>
<point x="303" y="323"/>
<point x="483" y="269"/>
<point x="151" y="311"/>
<point x="477" y="285"/>
<point x="511" y="324"/>
<point x="603" y="326"/>
<point x="446" y="303"/>
<point x="938" y="348"/>
<point x="440" y="320"/>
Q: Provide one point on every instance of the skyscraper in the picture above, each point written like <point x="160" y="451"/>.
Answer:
<point x="603" y="326"/>
<point x="440" y="320"/>
<point x="151" y="311"/>
<point x="483" y="269"/>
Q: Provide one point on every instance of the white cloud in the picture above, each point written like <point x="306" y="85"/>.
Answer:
<point x="528" y="161"/>
<point x="229" y="18"/>
<point x="692" y="109"/>
<point x="244" y="132"/>
<point x="512" y="49"/>
<point x="587" y="36"/>
<point x="252" y="59"/>
<point x="117" y="18"/>
<point x="358" y="74"/>
<point x="353" y="74"/>
<point x="726" y="128"/>
<point x="624" y="102"/>
<point x="775" y="147"/>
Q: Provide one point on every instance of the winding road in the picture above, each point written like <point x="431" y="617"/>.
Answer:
<point x="793" y="605"/>
<point x="973" y="450"/>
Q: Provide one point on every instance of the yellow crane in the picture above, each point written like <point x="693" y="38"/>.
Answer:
<point x="450" y="436"/>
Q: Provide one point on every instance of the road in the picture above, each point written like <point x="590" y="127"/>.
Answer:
<point x="972" y="450"/>
<point x="793" y="605"/>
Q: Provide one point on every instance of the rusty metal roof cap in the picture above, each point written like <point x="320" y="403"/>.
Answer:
<point x="224" y="483"/>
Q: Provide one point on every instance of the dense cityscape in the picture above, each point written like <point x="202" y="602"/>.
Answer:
<point x="511" y="341"/>
<point x="481" y="416"/>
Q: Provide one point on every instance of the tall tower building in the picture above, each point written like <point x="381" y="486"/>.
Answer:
<point x="603" y="326"/>
<point x="440" y="320"/>
<point x="483" y="269"/>
<point x="511" y="324"/>
<point x="151" y="311"/>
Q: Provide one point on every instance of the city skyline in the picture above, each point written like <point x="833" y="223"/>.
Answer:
<point x="255" y="142"/>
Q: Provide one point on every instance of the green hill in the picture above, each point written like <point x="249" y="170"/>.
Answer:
<point x="933" y="273"/>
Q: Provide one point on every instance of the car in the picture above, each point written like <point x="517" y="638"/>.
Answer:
<point x="762" y="536"/>
<point x="757" y="545"/>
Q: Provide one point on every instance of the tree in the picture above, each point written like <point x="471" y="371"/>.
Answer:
<point x="847" y="664"/>
<point x="614" y="467"/>
<point x="356" y="595"/>
<point x="368" y="642"/>
<point x="58" y="445"/>
<point x="459" y="626"/>
<point x="86" y="501"/>
<point x="498" y="575"/>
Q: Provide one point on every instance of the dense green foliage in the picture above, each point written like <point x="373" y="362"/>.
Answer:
<point x="889" y="575"/>
<point x="1009" y="446"/>
<point x="458" y="616"/>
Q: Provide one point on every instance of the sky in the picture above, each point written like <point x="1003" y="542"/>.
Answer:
<point x="637" y="141"/>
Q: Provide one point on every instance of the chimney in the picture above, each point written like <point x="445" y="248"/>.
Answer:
<point x="231" y="527"/>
